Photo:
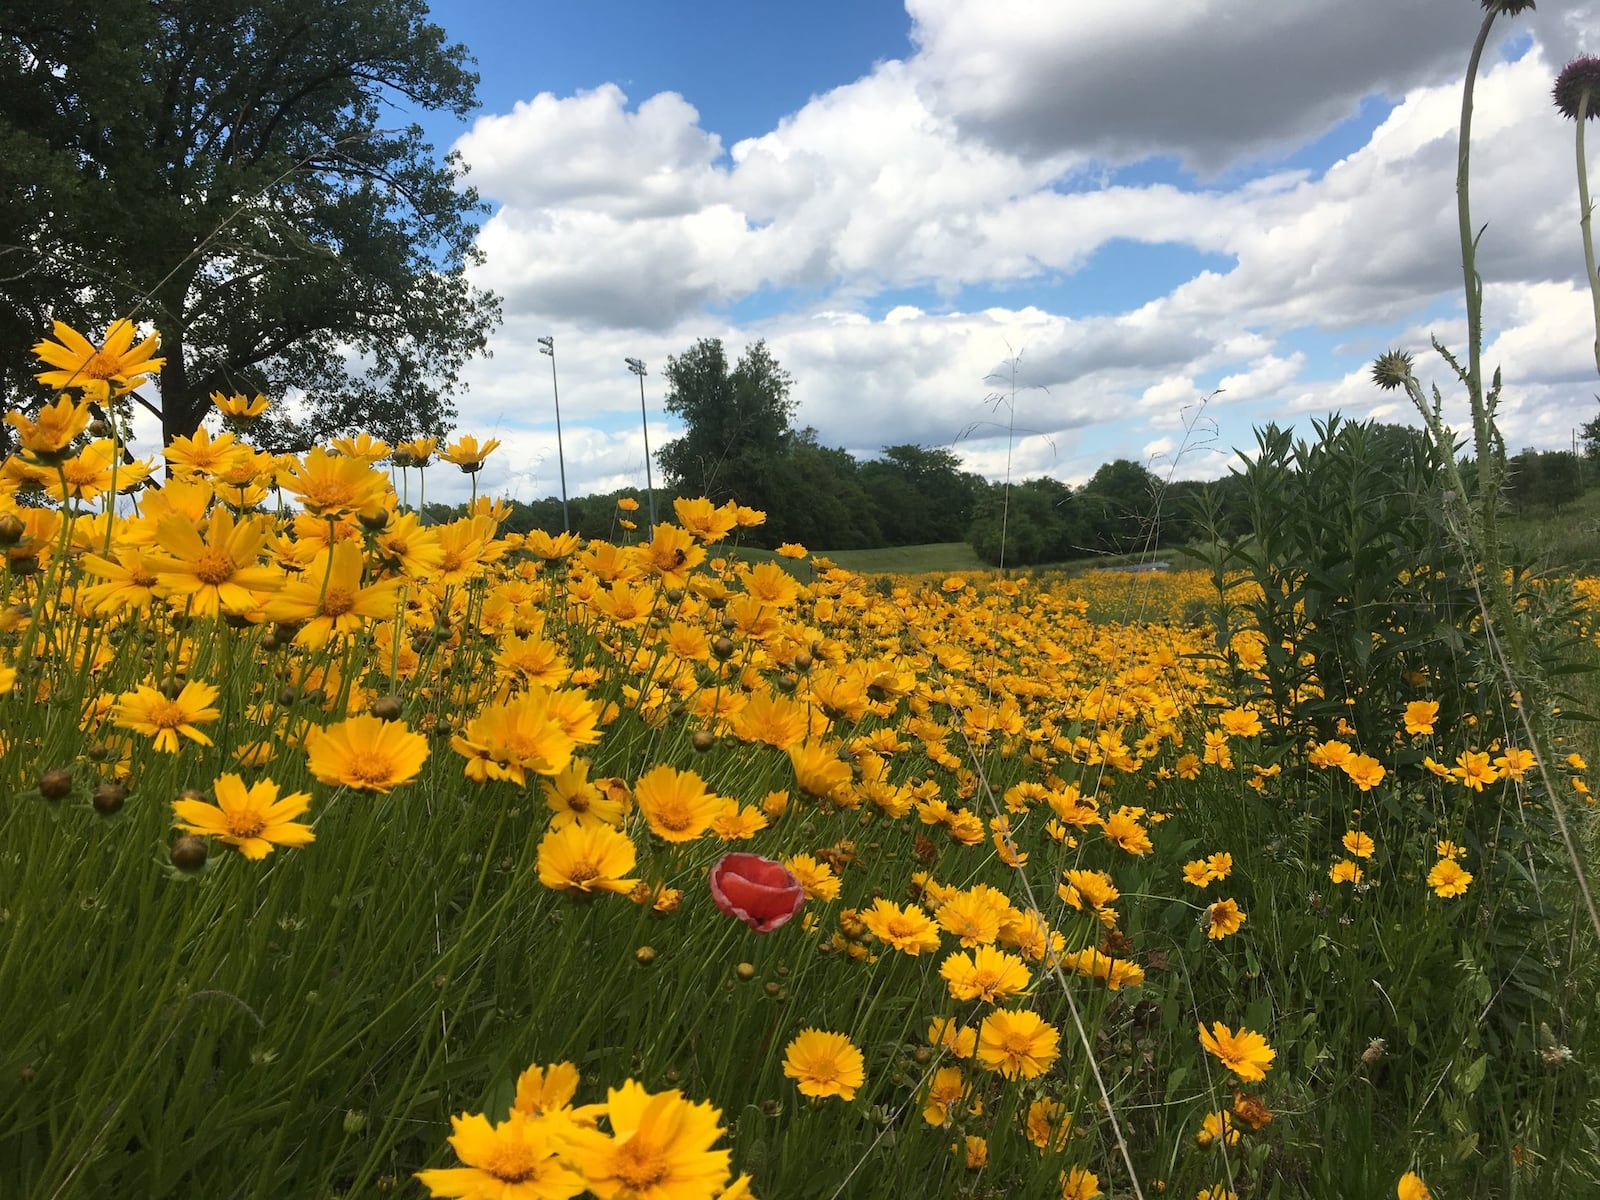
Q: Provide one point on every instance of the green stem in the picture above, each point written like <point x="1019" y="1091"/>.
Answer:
<point x="1474" y="297"/>
<point x="1586" y="211"/>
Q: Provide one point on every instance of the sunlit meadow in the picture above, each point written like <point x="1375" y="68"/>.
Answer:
<point x="346" y="854"/>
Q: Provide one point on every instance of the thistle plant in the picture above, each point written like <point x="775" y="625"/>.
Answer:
<point x="1477" y="526"/>
<point x="1577" y="95"/>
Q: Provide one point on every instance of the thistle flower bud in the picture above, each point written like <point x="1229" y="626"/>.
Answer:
<point x="1580" y="75"/>
<point x="1391" y="370"/>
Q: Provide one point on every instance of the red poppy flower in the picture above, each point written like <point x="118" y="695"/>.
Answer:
<point x="759" y="891"/>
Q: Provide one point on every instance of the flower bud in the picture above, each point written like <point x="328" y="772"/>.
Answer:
<point x="55" y="784"/>
<point x="189" y="852"/>
<point x="1391" y="370"/>
<point x="388" y="708"/>
<point x="109" y="798"/>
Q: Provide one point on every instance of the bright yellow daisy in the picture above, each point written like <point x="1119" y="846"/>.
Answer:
<point x="1222" y="919"/>
<point x="253" y="820"/>
<point x="824" y="1064"/>
<point x="48" y="435"/>
<point x="327" y="598"/>
<point x="985" y="974"/>
<point x="1245" y="1053"/>
<point x="587" y="857"/>
<point x="659" y="1147"/>
<point x="909" y="930"/>
<point x="1017" y="1044"/>
<point x="99" y="372"/>
<point x="677" y="804"/>
<point x="515" y="1160"/>
<point x="217" y="572"/>
<point x="1449" y="878"/>
<point x="156" y="715"/>
<point x="367" y="754"/>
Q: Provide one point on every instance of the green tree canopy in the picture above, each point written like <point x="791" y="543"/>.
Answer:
<point x="1548" y="480"/>
<point x="736" y="422"/>
<point x="1123" y="497"/>
<point x="1589" y="434"/>
<point x="920" y="494"/>
<point x="232" y="171"/>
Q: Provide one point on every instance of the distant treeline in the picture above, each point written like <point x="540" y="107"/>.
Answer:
<point x="826" y="499"/>
<point x="912" y="495"/>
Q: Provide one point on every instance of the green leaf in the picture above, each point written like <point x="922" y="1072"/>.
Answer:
<point x="1471" y="1079"/>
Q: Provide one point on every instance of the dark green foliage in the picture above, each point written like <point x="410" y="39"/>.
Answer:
<point x="1355" y="585"/>
<point x="920" y="495"/>
<point x="818" y="499"/>
<point x="1035" y="521"/>
<point x="1123" y="509"/>
<point x="739" y="443"/>
<point x="1589" y="434"/>
<point x="736" y="421"/>
<point x="1551" y="480"/>
<point x="231" y="172"/>
<point x="1123" y="499"/>
<point x="1360" y="588"/>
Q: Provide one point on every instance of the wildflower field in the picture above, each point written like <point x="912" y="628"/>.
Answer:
<point x="346" y="855"/>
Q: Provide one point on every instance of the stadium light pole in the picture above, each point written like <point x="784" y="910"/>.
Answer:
<point x="637" y="367"/>
<point x="547" y="345"/>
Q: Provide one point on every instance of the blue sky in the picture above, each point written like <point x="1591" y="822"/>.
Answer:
<point x="1145" y="202"/>
<point x="743" y="65"/>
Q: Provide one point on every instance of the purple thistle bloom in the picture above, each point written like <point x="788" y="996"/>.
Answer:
<point x="1581" y="73"/>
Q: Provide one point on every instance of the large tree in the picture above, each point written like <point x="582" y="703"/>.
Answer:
<point x="736" y="422"/>
<point x="238" y="173"/>
<point x="921" y="494"/>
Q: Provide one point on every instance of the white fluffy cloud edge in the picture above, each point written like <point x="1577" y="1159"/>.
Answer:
<point x="978" y="167"/>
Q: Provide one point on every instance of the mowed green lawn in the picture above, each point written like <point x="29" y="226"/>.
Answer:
<point x="1570" y="538"/>
<point x="938" y="558"/>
